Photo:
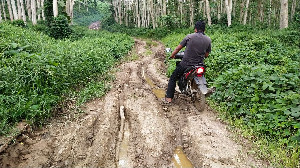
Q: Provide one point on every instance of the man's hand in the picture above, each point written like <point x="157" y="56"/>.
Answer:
<point x="177" y="49"/>
<point x="206" y="54"/>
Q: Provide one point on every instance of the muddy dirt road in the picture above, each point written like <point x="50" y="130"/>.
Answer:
<point x="129" y="127"/>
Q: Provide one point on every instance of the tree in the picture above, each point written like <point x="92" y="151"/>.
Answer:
<point x="3" y="8"/>
<point x="208" y="12"/>
<point x="22" y="10"/>
<point x="0" y="14"/>
<point x="14" y="9"/>
<point x="246" y="12"/>
<point x="28" y="6"/>
<point x="9" y="10"/>
<point x="55" y="8"/>
<point x="284" y="14"/>
<point x="228" y="4"/>
<point x="33" y="10"/>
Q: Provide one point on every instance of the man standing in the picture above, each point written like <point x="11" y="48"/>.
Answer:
<point x="198" y="47"/>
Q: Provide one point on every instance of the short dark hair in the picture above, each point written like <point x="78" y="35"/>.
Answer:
<point x="200" y="26"/>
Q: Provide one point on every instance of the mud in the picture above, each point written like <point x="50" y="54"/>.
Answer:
<point x="145" y="134"/>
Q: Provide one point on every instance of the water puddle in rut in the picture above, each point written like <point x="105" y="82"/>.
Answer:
<point x="180" y="159"/>
<point x="124" y="161"/>
<point x="159" y="93"/>
<point x="123" y="145"/>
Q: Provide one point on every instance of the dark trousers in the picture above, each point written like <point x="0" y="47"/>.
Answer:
<point x="172" y="81"/>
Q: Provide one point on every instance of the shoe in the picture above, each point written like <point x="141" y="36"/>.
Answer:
<point x="166" y="102"/>
<point x="210" y="91"/>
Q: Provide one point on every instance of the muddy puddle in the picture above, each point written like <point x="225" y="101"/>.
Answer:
<point x="158" y="92"/>
<point x="180" y="159"/>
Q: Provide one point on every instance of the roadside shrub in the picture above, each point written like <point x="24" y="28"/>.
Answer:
<point x="19" y="23"/>
<point x="59" y="28"/>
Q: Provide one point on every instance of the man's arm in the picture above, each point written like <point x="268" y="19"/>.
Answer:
<point x="177" y="49"/>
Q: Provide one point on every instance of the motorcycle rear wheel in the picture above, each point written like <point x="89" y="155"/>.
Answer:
<point x="199" y="101"/>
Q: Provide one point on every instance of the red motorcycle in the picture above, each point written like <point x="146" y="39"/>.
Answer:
<point x="193" y="83"/>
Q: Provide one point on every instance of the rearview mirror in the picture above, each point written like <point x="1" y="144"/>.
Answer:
<point x="168" y="50"/>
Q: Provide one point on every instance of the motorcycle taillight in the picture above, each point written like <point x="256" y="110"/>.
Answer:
<point x="200" y="71"/>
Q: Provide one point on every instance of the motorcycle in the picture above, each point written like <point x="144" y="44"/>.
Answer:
<point x="193" y="83"/>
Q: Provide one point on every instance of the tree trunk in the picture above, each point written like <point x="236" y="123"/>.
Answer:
<point x="23" y="11"/>
<point x="68" y="7"/>
<point x="270" y="12"/>
<point x="228" y="4"/>
<point x="245" y="13"/>
<point x="0" y="14"/>
<point x="204" y="9"/>
<point x="208" y="12"/>
<point x="19" y="9"/>
<point x="191" y="4"/>
<point x="294" y="4"/>
<point x="233" y="8"/>
<point x="33" y="10"/>
<point x="11" y="16"/>
<point x="138" y="14"/>
<point x="284" y="14"/>
<point x="38" y="7"/>
<point x="43" y="12"/>
<point x="181" y="11"/>
<point x="3" y="8"/>
<point x="55" y="8"/>
<point x="152" y="14"/>
<point x="219" y="10"/>
<point x="164" y="7"/>
<point x="241" y="11"/>
<point x="261" y="12"/>
<point x="72" y="10"/>
<point x="14" y="9"/>
<point x="28" y="6"/>
<point x="120" y="11"/>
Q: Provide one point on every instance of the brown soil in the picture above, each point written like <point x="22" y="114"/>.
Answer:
<point x="146" y="137"/>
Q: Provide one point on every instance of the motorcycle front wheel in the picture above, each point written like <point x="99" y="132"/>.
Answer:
<point x="199" y="101"/>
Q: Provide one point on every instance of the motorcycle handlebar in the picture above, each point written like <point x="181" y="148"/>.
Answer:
<point x="179" y="55"/>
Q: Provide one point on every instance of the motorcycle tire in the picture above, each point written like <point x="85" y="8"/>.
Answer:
<point x="199" y="102"/>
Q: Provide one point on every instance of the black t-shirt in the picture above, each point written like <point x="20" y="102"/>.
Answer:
<point x="197" y="44"/>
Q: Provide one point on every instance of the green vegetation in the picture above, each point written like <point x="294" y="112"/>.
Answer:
<point x="37" y="72"/>
<point x="256" y="73"/>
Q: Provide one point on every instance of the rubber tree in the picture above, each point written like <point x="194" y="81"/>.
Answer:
<point x="284" y="18"/>
<point x="228" y="4"/>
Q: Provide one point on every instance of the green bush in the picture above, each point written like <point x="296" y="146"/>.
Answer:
<point x="36" y="71"/>
<point x="19" y="23"/>
<point x="59" y="28"/>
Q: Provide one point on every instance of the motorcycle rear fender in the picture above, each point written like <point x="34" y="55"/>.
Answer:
<point x="201" y="83"/>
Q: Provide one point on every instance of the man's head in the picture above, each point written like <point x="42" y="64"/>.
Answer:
<point x="200" y="26"/>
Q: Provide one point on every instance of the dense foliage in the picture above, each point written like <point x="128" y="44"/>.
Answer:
<point x="36" y="70"/>
<point x="59" y="28"/>
<point x="256" y="73"/>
